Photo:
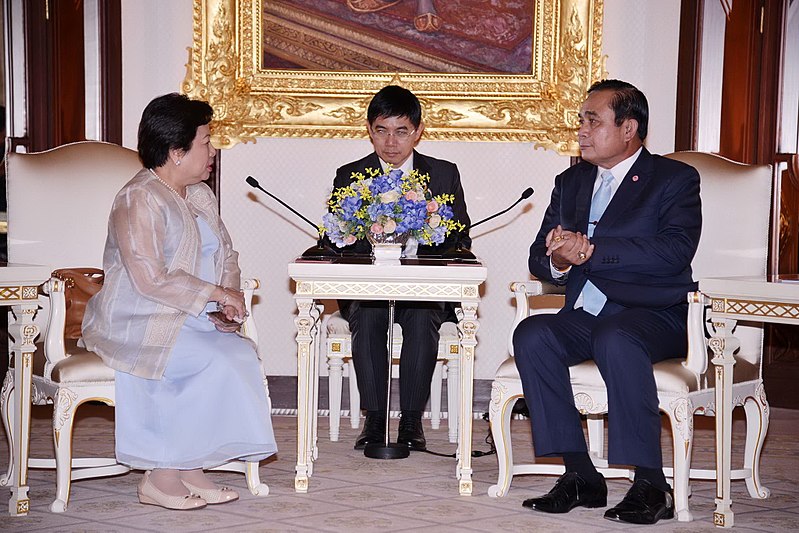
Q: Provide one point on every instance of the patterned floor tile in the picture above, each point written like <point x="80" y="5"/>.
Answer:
<point x="350" y="492"/>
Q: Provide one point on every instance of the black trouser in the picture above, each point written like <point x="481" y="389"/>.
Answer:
<point x="368" y="322"/>
<point x="624" y="345"/>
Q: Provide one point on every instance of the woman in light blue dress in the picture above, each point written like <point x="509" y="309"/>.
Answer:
<point x="190" y="390"/>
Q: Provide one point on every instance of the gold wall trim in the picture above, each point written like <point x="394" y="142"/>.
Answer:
<point x="224" y="69"/>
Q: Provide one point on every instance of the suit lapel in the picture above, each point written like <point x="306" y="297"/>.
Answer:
<point x="633" y="184"/>
<point x="421" y="164"/>
<point x="372" y="161"/>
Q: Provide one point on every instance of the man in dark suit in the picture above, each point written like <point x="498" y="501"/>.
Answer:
<point x="620" y="232"/>
<point x="395" y="125"/>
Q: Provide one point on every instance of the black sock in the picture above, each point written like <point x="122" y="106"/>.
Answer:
<point x="411" y="415"/>
<point x="580" y="462"/>
<point x="379" y="415"/>
<point x="654" y="476"/>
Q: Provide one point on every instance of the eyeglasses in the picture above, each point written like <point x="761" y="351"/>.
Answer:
<point x="400" y="135"/>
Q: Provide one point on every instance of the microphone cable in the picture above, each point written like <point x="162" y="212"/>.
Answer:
<point x="475" y="453"/>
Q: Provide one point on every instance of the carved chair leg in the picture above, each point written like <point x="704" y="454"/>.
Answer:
<point x="6" y="408"/>
<point x="681" y="418"/>
<point x="596" y="436"/>
<point x="335" y="366"/>
<point x="453" y="398"/>
<point x="499" y="415"/>
<point x="257" y="488"/>
<point x="355" y="397"/>
<point x="435" y="394"/>
<point x="66" y="403"/>
<point x="757" y="419"/>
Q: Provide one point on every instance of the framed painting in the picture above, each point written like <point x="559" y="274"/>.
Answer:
<point x="506" y="70"/>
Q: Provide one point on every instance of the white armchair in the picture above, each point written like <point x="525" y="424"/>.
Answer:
<point x="736" y="201"/>
<point x="59" y="203"/>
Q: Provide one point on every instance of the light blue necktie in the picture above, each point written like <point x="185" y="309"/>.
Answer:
<point x="593" y="299"/>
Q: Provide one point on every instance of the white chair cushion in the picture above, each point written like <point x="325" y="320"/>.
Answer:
<point x="82" y="367"/>
<point x="670" y="375"/>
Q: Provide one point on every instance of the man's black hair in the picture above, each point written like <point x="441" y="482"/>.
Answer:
<point x="627" y="102"/>
<point x="395" y="101"/>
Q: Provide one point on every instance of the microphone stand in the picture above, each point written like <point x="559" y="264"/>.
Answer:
<point x="386" y="449"/>
<point x="460" y="253"/>
<point x="321" y="249"/>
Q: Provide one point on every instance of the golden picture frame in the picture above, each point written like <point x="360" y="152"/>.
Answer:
<point x="225" y="69"/>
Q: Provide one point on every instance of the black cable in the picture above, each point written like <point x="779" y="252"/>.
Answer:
<point x="475" y="453"/>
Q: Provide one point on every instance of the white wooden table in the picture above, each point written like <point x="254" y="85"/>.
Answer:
<point x="19" y="289"/>
<point x="422" y="280"/>
<point x="744" y="298"/>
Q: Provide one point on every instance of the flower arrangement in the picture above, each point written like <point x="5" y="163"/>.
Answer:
<point x="390" y="204"/>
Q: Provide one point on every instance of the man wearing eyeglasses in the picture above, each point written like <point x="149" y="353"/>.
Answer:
<point x="395" y="125"/>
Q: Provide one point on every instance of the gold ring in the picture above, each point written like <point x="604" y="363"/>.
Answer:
<point x="581" y="255"/>
<point x="558" y="238"/>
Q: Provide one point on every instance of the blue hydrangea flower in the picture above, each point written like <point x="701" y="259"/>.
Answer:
<point x="388" y="206"/>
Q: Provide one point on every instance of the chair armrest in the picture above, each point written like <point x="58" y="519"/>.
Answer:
<point x="522" y="291"/>
<point x="249" y="286"/>
<point x="696" y="361"/>
<point x="54" y="347"/>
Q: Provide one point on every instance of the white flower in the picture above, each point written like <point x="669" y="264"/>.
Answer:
<point x="389" y="197"/>
<point x="434" y="221"/>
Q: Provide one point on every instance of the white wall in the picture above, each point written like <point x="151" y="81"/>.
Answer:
<point x="640" y="39"/>
<point x="155" y="36"/>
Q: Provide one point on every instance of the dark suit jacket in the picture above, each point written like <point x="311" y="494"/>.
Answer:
<point x="444" y="179"/>
<point x="645" y="240"/>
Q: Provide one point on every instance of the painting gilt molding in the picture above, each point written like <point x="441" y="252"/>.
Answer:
<point x="291" y="68"/>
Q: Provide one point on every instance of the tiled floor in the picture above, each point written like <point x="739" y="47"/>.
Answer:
<point x="351" y="493"/>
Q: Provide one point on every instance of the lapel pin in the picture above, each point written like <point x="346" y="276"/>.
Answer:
<point x="635" y="178"/>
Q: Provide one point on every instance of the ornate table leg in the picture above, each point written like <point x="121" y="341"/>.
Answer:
<point x="305" y="389"/>
<point x="467" y="325"/>
<point x="24" y="332"/>
<point x="723" y="344"/>
<point x="316" y="315"/>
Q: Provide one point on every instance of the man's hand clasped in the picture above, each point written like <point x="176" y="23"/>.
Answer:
<point x="567" y="248"/>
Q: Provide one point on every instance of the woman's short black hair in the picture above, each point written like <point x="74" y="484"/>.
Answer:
<point x="627" y="102"/>
<point x="395" y="101"/>
<point x="170" y="122"/>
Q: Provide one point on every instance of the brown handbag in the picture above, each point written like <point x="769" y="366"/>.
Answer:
<point x="80" y="284"/>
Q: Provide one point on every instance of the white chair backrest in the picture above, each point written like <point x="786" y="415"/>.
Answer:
<point x="736" y="201"/>
<point x="59" y="202"/>
<point x="736" y="205"/>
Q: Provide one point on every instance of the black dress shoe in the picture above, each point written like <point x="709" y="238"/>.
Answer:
<point x="374" y="430"/>
<point x="571" y="491"/>
<point x="411" y="433"/>
<point x="643" y="504"/>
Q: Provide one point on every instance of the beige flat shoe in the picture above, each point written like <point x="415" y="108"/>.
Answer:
<point x="213" y="496"/>
<point x="150" y="495"/>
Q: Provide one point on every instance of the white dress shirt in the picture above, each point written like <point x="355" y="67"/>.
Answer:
<point x="412" y="245"/>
